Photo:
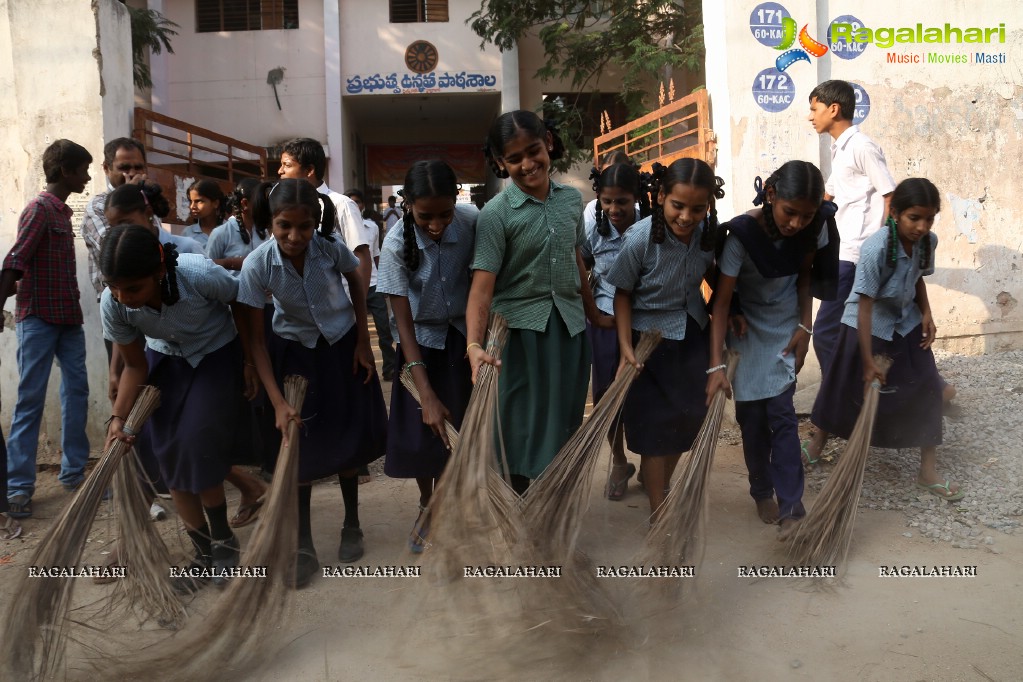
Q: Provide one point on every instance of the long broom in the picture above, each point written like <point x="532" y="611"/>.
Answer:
<point x="146" y="585"/>
<point x="677" y="534"/>
<point x="235" y="635"/>
<point x="558" y="499"/>
<point x="823" y="537"/>
<point x="35" y="636"/>
<point x="503" y="498"/>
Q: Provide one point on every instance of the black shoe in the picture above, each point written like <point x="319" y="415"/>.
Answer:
<point x="19" y="506"/>
<point x="184" y="584"/>
<point x="351" y="548"/>
<point x="225" y="556"/>
<point x="306" y="564"/>
<point x="388" y="375"/>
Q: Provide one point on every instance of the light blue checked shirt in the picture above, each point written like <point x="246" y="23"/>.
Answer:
<point x="771" y="308"/>
<point x="306" y="305"/>
<point x="603" y="251"/>
<point x="895" y="309"/>
<point x="195" y="232"/>
<point x="198" y="324"/>
<point x="439" y="289"/>
<point x="664" y="279"/>
<point x="226" y="242"/>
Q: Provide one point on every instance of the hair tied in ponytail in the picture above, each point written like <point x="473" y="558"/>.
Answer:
<point x="828" y="209"/>
<point x="719" y="188"/>
<point x="595" y="177"/>
<point x="758" y="187"/>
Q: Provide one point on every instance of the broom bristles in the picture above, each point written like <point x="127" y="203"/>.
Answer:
<point x="557" y="501"/>
<point x="35" y="633"/>
<point x="823" y="537"/>
<point x="146" y="586"/>
<point x="677" y="533"/>
<point x="235" y="635"/>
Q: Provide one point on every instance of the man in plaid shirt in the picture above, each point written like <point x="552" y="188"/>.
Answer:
<point x="49" y="324"/>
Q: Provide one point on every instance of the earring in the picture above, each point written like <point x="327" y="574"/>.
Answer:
<point x="550" y="148"/>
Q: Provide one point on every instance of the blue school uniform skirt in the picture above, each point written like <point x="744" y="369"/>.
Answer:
<point x="909" y="408"/>
<point x="541" y="393"/>
<point x="195" y="433"/>
<point x="604" y="347"/>
<point x="413" y="450"/>
<point x="666" y="404"/>
<point x="344" y="421"/>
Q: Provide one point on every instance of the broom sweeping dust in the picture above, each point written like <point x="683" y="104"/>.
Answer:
<point x="823" y="537"/>
<point x="35" y="637"/>
<point x="236" y="634"/>
<point x="677" y="535"/>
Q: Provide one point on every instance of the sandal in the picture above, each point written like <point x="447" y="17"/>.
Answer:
<point x="11" y="528"/>
<point x="420" y="530"/>
<point x="615" y="490"/>
<point x="942" y="490"/>
<point x="247" y="513"/>
<point x="19" y="506"/>
<point x="807" y="462"/>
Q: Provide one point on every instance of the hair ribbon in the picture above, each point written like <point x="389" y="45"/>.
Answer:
<point x="758" y="187"/>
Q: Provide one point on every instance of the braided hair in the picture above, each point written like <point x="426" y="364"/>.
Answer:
<point x="134" y="252"/>
<point x="131" y="197"/>
<point x="424" y="180"/>
<point x="794" y="180"/>
<point x="695" y="173"/>
<point x="212" y="191"/>
<point x="245" y="189"/>
<point x="909" y="193"/>
<point x="270" y="198"/>
<point x="623" y="176"/>
<point x="510" y="124"/>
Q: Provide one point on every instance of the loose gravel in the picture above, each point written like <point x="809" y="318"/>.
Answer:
<point x="982" y="451"/>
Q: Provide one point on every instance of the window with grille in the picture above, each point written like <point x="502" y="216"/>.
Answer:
<point x="418" y="11"/>
<point x="245" y="15"/>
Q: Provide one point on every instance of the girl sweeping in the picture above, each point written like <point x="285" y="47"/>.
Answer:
<point x="888" y="314"/>
<point x="231" y="242"/>
<point x="193" y="355"/>
<point x="767" y="260"/>
<point x="424" y="270"/>
<point x="323" y="337"/>
<point x="657" y="280"/>
<point x="207" y="206"/>
<point x="619" y="189"/>
<point x="528" y="268"/>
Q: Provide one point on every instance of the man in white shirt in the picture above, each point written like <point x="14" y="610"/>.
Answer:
<point x="303" y="157"/>
<point x="392" y="215"/>
<point x="376" y="303"/>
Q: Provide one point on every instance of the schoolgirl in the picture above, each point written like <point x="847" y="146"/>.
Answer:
<point x="888" y="313"/>
<point x="424" y="271"/>
<point x="527" y="267"/>
<point x="619" y="190"/>
<point x="767" y="260"/>
<point x="323" y="337"/>
<point x="657" y="279"/>
<point x="231" y="242"/>
<point x="182" y="305"/>
<point x="208" y="207"/>
<point x="136" y="204"/>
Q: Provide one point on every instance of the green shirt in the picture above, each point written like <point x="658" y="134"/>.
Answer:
<point x="531" y="246"/>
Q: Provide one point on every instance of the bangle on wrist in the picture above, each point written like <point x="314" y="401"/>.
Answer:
<point x="714" y="369"/>
<point x="806" y="329"/>
<point x="113" y="417"/>
<point x="409" y="365"/>
<point x="473" y="345"/>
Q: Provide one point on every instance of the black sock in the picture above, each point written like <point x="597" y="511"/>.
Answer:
<point x="520" y="484"/>
<point x="217" y="516"/>
<point x="200" y="538"/>
<point x="305" y="526"/>
<point x="350" y="495"/>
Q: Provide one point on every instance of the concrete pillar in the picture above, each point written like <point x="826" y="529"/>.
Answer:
<point x="510" y="95"/>
<point x="332" y="76"/>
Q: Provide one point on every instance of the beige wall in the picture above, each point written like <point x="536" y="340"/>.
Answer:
<point x="88" y="97"/>
<point x="960" y="125"/>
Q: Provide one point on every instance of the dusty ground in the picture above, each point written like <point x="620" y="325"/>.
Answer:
<point x="730" y="628"/>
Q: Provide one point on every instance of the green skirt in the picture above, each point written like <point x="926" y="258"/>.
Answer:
<point x="541" y="393"/>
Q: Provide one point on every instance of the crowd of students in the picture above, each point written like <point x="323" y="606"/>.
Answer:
<point x="280" y="277"/>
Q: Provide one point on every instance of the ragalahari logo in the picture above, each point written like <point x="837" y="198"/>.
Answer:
<point x="808" y="46"/>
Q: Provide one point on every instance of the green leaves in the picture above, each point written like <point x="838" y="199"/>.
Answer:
<point x="150" y="30"/>
<point x="638" y="39"/>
